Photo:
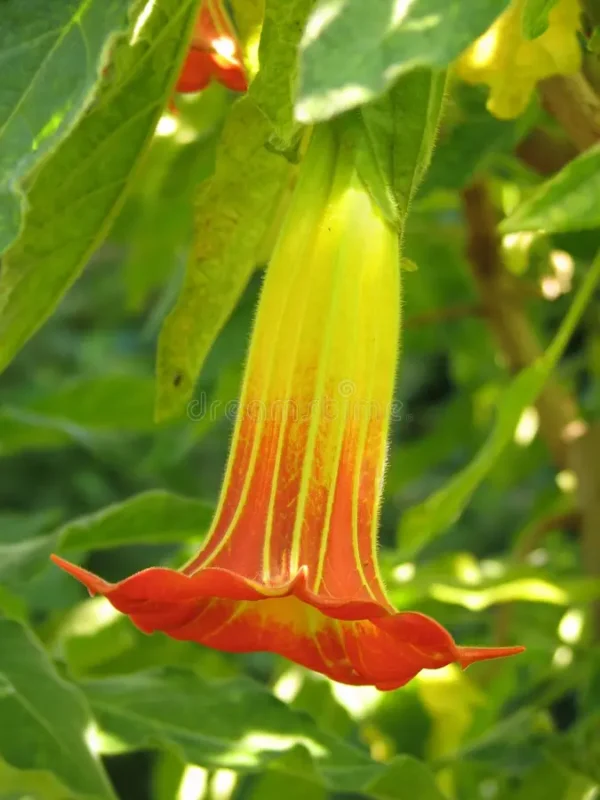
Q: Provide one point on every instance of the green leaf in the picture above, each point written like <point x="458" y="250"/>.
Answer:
<point x="353" y="51"/>
<point x="272" y="89"/>
<point x="78" y="410"/>
<point x="235" y="724"/>
<point x="20" y="561"/>
<point x="11" y="605"/>
<point x="566" y="202"/>
<point x="550" y="780"/>
<point x="44" y="718"/>
<point x="21" y="430"/>
<point x="154" y="517"/>
<point x="30" y="785"/>
<point x="401" y="131"/>
<point x="51" y="54"/>
<point x="163" y="229"/>
<point x="421" y="523"/>
<point x="248" y="17"/>
<point x="118" y="402"/>
<point x="77" y="192"/>
<point x="167" y="774"/>
<point x="405" y="777"/>
<point x="275" y="782"/>
<point x="476" y="136"/>
<point x="24" y="550"/>
<point x="534" y="19"/>
<point x="233" y="212"/>
<point x="14" y="527"/>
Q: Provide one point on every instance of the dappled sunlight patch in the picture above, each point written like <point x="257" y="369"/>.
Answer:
<point x="563" y="657"/>
<point x="321" y="18"/>
<point x="289" y="684"/>
<point x="359" y="701"/>
<point x="167" y="125"/>
<point x="570" y="626"/>
<point x="194" y="783"/>
<point x="102" y="743"/>
<point x="141" y="21"/>
<point x="89" y="617"/>
<point x="404" y="573"/>
<point x="527" y="427"/>
<point x="533" y="590"/>
<point x="254" y="742"/>
<point x="566" y="480"/>
<point x="467" y="569"/>
<point x="223" y="784"/>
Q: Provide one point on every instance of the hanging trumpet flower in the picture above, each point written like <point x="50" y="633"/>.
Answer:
<point x="290" y="563"/>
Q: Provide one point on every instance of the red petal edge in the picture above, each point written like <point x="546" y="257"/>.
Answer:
<point x="354" y="642"/>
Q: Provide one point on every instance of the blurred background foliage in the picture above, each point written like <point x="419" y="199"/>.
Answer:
<point x="78" y="441"/>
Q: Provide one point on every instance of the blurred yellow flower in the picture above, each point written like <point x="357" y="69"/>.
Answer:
<point x="511" y="65"/>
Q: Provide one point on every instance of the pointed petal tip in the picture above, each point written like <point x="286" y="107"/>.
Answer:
<point x="469" y="655"/>
<point x="93" y="583"/>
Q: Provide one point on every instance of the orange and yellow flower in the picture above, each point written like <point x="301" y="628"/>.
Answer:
<point x="290" y="563"/>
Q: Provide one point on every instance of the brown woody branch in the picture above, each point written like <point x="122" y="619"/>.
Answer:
<point x="448" y="314"/>
<point x="544" y="153"/>
<point x="575" y="105"/>
<point x="571" y="442"/>
<point x="502" y="298"/>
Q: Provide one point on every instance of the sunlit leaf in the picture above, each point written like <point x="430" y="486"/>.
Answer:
<point x="44" y="719"/>
<point x="51" y="54"/>
<point x="18" y="784"/>
<point x="233" y="724"/>
<point x="76" y="193"/>
<point x="275" y="781"/>
<point x="401" y="129"/>
<point x="566" y="202"/>
<point x="533" y="590"/>
<point x="272" y="89"/>
<point x="450" y="699"/>
<point x="353" y="51"/>
<point x="405" y="777"/>
<point x="551" y="780"/>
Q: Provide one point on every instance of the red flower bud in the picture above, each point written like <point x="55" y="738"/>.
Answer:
<point x="214" y="53"/>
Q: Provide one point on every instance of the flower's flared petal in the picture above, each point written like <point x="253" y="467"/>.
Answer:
<point x="197" y="72"/>
<point x="350" y="641"/>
